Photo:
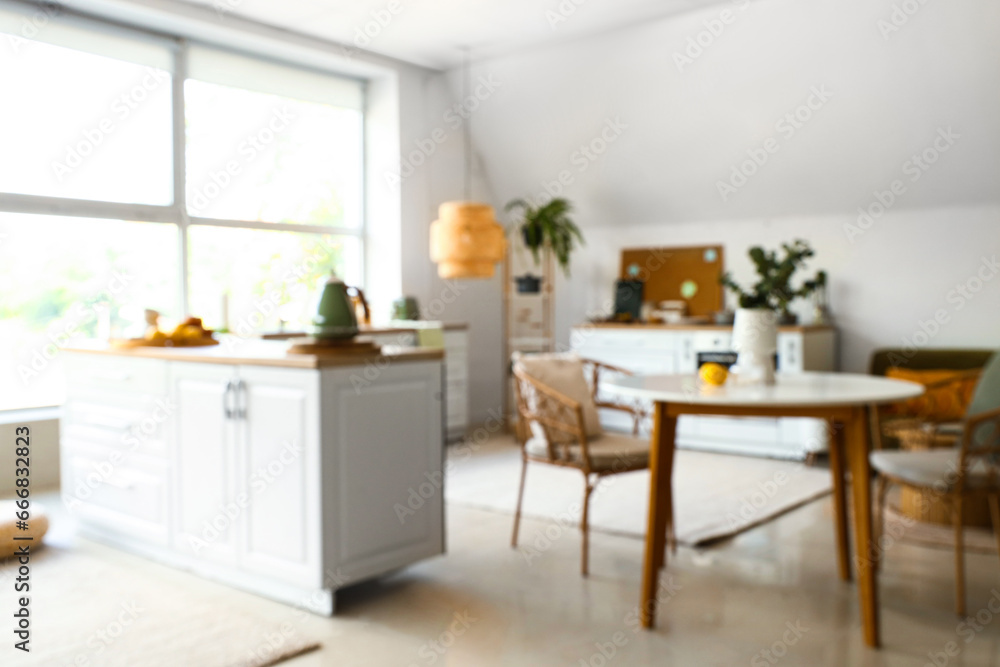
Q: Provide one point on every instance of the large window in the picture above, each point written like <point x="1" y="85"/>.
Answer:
<point x="109" y="204"/>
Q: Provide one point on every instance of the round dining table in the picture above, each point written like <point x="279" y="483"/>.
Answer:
<point x="846" y="401"/>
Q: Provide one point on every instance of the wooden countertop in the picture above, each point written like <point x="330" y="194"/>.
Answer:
<point x="642" y="326"/>
<point x="396" y="327"/>
<point x="255" y="352"/>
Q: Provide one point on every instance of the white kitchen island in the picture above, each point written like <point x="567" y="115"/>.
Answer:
<point x="286" y="475"/>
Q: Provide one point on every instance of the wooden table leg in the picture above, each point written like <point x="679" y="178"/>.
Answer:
<point x="858" y="448"/>
<point x="661" y="457"/>
<point x="836" y="441"/>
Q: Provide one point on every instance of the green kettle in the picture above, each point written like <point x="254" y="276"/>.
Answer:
<point x="335" y="318"/>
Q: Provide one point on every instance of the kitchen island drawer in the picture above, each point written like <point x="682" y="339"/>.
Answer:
<point x="124" y="493"/>
<point x="120" y="375"/>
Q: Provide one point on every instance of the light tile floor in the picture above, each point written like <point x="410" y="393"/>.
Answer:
<point x="485" y="604"/>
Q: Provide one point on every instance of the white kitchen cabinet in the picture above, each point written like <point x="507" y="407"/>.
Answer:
<point x="278" y="422"/>
<point x="204" y="438"/>
<point x="456" y="365"/>
<point x="666" y="349"/>
<point x="456" y="368"/>
<point x="244" y="437"/>
<point x="290" y="482"/>
<point x="114" y="462"/>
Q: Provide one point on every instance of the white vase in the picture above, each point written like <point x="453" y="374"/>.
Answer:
<point x="755" y="339"/>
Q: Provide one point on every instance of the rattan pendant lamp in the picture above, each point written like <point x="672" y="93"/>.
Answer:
<point x="466" y="240"/>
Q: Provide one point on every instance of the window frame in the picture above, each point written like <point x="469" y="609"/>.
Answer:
<point x="176" y="213"/>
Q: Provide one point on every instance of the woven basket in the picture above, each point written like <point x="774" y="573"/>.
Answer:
<point x="917" y="435"/>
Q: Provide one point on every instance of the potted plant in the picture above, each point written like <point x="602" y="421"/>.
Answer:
<point x="764" y="306"/>
<point x="546" y="226"/>
<point x="773" y="290"/>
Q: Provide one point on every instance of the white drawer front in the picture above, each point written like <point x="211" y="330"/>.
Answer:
<point x="125" y="495"/>
<point x="721" y="341"/>
<point x="584" y="338"/>
<point x="117" y="374"/>
<point x="133" y="423"/>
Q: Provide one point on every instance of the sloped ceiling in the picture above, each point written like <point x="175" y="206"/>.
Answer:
<point x="820" y="108"/>
<point x="433" y="33"/>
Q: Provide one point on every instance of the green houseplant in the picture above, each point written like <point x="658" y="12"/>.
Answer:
<point x="773" y="289"/>
<point x="547" y="226"/>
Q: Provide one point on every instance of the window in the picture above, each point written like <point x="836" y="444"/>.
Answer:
<point x="93" y="279"/>
<point x="93" y="227"/>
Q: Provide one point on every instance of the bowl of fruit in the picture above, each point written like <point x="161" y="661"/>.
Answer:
<point x="189" y="333"/>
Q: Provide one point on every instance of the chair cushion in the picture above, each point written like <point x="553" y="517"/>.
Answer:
<point x="564" y="373"/>
<point x="611" y="451"/>
<point x="934" y="468"/>
<point x="945" y="403"/>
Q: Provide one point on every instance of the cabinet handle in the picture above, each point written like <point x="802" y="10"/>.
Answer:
<point x="241" y="399"/>
<point x="119" y="484"/>
<point x="225" y="399"/>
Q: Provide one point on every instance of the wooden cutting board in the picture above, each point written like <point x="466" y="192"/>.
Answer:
<point x="334" y="347"/>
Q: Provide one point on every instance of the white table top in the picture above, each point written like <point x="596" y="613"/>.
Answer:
<point x="790" y="389"/>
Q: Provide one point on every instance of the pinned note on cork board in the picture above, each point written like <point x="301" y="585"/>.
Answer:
<point x="689" y="274"/>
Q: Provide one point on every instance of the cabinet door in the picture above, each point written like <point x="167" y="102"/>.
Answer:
<point x="207" y="505"/>
<point x="279" y="464"/>
<point x="383" y="467"/>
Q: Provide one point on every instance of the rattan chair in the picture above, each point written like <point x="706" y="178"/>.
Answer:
<point x="558" y="425"/>
<point x="970" y="468"/>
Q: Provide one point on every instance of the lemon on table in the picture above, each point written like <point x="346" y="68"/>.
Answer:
<point x="713" y="374"/>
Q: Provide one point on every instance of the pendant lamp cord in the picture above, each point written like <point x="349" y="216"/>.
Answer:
<point x="466" y="84"/>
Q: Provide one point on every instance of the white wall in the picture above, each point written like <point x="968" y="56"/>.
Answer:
<point x="655" y="180"/>
<point x="433" y="129"/>
<point x="44" y="459"/>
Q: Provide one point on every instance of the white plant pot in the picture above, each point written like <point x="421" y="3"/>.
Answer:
<point x="755" y="339"/>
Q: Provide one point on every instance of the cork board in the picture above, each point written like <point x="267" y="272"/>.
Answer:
<point x="678" y="274"/>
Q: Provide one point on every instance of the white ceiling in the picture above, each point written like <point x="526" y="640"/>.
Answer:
<point x="433" y="33"/>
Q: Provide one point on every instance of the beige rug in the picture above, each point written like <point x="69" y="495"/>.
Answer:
<point x="87" y="608"/>
<point x="715" y="495"/>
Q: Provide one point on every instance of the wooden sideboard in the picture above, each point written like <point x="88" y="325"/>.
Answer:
<point x="662" y="348"/>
